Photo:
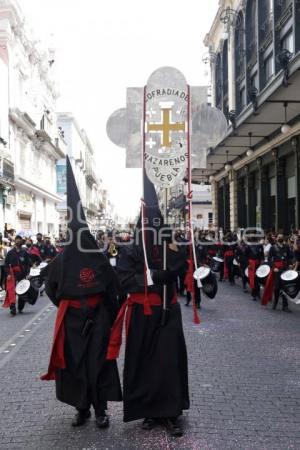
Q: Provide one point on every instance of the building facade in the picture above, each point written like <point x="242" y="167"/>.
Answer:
<point x="82" y="157"/>
<point x="177" y="210"/>
<point x="30" y="142"/>
<point x="254" y="54"/>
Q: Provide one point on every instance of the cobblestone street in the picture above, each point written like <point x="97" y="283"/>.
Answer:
<point x="244" y="365"/>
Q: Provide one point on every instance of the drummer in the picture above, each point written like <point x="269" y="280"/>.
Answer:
<point x="296" y="250"/>
<point x="230" y="246"/>
<point x="242" y="260"/>
<point x="16" y="265"/>
<point x="50" y="250"/>
<point x="201" y="254"/>
<point x="255" y="256"/>
<point x="33" y="252"/>
<point x="280" y="258"/>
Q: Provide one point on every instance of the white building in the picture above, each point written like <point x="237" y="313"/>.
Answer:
<point x="28" y="128"/>
<point x="82" y="158"/>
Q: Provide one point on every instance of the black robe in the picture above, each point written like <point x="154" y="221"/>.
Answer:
<point x="89" y="379"/>
<point x="155" y="382"/>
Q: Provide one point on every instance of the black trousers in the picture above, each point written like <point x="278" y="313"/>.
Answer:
<point x="277" y="291"/>
<point x="197" y="295"/>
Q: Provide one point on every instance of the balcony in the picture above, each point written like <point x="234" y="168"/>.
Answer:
<point x="90" y="174"/>
<point x="266" y="32"/>
<point x="284" y="12"/>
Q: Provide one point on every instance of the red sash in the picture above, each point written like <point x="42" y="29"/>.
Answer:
<point x="34" y="251"/>
<point x="57" y="357"/>
<point x="226" y="255"/>
<point x="10" y="297"/>
<point x="268" y="291"/>
<point x="125" y="312"/>
<point x="252" y="266"/>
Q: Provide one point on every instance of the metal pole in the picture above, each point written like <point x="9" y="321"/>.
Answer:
<point x="164" y="312"/>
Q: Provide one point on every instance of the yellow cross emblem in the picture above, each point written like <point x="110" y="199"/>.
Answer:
<point x="166" y="127"/>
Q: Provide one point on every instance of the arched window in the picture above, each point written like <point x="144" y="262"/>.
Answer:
<point x="251" y="33"/>
<point x="219" y="81"/>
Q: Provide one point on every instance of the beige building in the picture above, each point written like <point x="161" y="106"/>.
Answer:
<point x="254" y="55"/>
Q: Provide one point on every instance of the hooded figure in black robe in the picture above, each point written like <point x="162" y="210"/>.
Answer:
<point x="82" y="284"/>
<point x="155" y="383"/>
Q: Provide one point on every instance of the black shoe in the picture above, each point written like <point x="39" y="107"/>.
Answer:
<point x="274" y="306"/>
<point x="149" y="423"/>
<point x="286" y="309"/>
<point x="187" y="304"/>
<point x="81" y="417"/>
<point x="173" y="427"/>
<point x="245" y="290"/>
<point x="254" y="299"/>
<point x="13" y="310"/>
<point x="102" y="420"/>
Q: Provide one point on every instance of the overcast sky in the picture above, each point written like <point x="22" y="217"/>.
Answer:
<point x="104" y="47"/>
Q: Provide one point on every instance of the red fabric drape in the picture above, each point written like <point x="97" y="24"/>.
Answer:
<point x="10" y="297"/>
<point x="190" y="287"/>
<point x="252" y="266"/>
<point x="57" y="357"/>
<point x="268" y="291"/>
<point x="227" y="254"/>
<point x="125" y="312"/>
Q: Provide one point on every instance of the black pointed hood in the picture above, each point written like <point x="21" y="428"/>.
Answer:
<point x="85" y="270"/>
<point x="152" y="212"/>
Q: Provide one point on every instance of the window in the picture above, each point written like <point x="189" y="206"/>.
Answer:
<point x="287" y="42"/>
<point x="242" y="98"/>
<point x="269" y="67"/>
<point x="210" y="218"/>
<point x="254" y="81"/>
<point x="291" y="187"/>
<point x="272" y="187"/>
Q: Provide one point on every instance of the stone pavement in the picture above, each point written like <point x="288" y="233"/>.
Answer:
<point x="244" y="365"/>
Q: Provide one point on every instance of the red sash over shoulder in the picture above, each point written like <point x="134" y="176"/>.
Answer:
<point x="115" y="341"/>
<point x="268" y="291"/>
<point x="57" y="357"/>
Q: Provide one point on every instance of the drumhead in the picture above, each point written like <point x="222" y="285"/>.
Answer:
<point x="43" y="265"/>
<point x="216" y="258"/>
<point x="246" y="272"/>
<point x="263" y="271"/>
<point x="289" y="275"/>
<point x="235" y="263"/>
<point x="34" y="272"/>
<point x="22" y="287"/>
<point x="201" y="273"/>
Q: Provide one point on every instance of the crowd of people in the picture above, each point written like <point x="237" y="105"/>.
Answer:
<point x="238" y="256"/>
<point x="99" y="289"/>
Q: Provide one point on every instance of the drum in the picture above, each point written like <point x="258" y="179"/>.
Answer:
<point x="290" y="285"/>
<point x="216" y="264"/>
<point x="262" y="273"/>
<point x="27" y="292"/>
<point x="35" y="277"/>
<point x="235" y="263"/>
<point x="42" y="265"/>
<point x="208" y="280"/>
